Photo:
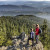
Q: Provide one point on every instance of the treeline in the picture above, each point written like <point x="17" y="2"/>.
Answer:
<point x="13" y="26"/>
<point x="44" y="37"/>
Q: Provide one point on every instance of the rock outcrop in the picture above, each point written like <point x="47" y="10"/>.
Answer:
<point x="18" y="44"/>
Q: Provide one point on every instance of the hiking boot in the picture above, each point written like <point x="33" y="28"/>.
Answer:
<point x="36" y="41"/>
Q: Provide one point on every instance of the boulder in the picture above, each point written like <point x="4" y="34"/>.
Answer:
<point x="18" y="44"/>
<point x="3" y="48"/>
<point x="38" y="46"/>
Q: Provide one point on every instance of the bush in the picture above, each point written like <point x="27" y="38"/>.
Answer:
<point x="2" y="40"/>
<point x="9" y="42"/>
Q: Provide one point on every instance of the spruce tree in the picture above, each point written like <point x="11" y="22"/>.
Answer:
<point x="44" y="35"/>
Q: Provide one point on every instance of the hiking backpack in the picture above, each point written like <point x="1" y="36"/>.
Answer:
<point x="40" y="30"/>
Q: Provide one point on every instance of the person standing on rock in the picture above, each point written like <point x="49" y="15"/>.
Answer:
<point x="37" y="33"/>
<point x="31" y="37"/>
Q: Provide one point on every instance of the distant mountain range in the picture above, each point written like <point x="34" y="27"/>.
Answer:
<point x="25" y="6"/>
<point x="18" y="8"/>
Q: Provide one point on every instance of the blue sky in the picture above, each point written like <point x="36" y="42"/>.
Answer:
<point x="24" y="0"/>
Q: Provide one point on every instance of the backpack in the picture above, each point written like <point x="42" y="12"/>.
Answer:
<point x="31" y="34"/>
<point x="40" y="30"/>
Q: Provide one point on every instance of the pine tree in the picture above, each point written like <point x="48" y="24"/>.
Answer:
<point x="44" y="36"/>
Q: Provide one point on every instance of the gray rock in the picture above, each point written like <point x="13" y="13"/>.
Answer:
<point x="3" y="48"/>
<point x="22" y="45"/>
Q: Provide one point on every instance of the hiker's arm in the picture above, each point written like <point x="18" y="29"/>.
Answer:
<point x="36" y="31"/>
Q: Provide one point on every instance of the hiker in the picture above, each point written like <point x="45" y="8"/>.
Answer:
<point x="31" y="36"/>
<point x="37" y="33"/>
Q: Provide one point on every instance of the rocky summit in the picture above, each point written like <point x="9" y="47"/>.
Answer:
<point x="18" y="44"/>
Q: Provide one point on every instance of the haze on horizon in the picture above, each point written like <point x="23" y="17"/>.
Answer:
<point x="24" y="0"/>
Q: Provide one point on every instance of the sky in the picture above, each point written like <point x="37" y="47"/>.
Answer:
<point x="24" y="0"/>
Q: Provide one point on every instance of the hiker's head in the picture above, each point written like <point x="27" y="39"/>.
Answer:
<point x="37" y="25"/>
<point x="31" y="29"/>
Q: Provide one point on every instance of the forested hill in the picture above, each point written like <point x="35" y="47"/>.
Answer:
<point x="13" y="26"/>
